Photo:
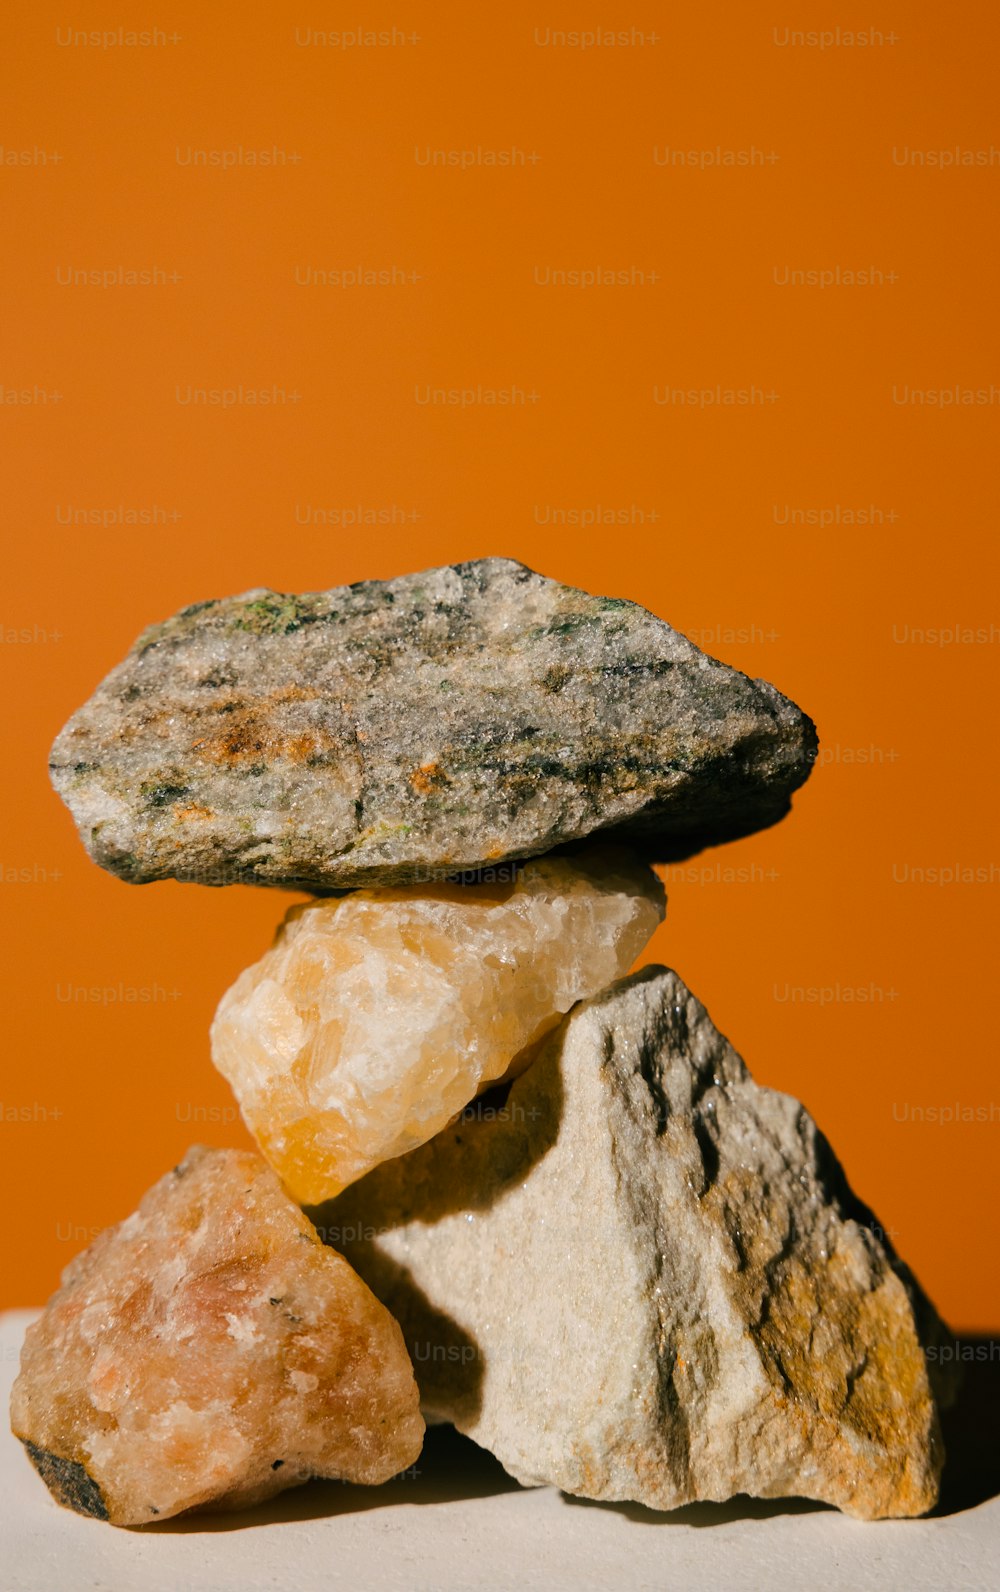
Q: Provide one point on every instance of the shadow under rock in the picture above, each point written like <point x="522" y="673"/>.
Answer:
<point x="451" y="1469"/>
<point x="971" y="1429"/>
<point x="742" y="1507"/>
<point x="447" y="1361"/>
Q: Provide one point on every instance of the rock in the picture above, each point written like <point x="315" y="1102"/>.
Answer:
<point x="644" y="1277"/>
<point x="209" y="1350"/>
<point x="396" y="731"/>
<point x="375" y="1018"/>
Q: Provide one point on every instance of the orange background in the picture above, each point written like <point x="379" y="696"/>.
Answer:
<point x="100" y="1095"/>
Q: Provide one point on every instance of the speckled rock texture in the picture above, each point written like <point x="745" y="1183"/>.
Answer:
<point x="376" y="1017"/>
<point x="642" y="1276"/>
<point x="396" y="731"/>
<point x="211" y="1351"/>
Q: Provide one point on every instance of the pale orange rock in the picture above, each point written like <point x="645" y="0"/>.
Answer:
<point x="374" y="1019"/>
<point x="209" y="1350"/>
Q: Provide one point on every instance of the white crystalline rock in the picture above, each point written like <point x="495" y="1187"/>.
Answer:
<point x="645" y="1277"/>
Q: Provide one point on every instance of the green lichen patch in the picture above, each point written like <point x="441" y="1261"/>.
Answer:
<point x="275" y="615"/>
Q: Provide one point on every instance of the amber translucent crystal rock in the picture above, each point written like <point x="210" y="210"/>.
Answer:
<point x="374" y="1019"/>
<point x="210" y="1350"/>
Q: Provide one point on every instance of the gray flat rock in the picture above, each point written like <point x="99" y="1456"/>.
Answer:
<point x="642" y="1276"/>
<point x="402" y="730"/>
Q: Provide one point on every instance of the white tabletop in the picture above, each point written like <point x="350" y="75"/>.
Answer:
<point x="460" y="1524"/>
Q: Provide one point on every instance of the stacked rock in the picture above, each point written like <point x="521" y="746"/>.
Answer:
<point x="550" y="1190"/>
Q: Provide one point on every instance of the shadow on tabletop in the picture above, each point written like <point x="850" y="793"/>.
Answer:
<point x="453" y="1468"/>
<point x="742" y="1507"/>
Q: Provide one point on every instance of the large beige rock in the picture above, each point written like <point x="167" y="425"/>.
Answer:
<point x="210" y="1350"/>
<point x="644" y="1277"/>
<point x="374" y="1019"/>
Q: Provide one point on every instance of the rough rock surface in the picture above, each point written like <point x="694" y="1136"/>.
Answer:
<point x="375" y="1018"/>
<point x="644" y="1277"/>
<point x="210" y="1350"/>
<point x="393" y="731"/>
